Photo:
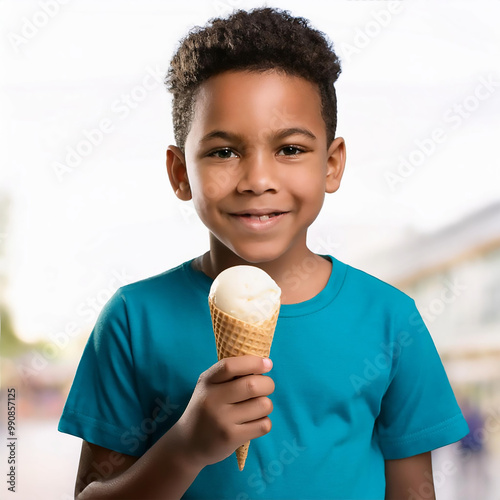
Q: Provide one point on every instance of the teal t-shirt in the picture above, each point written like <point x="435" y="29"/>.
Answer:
<point x="358" y="380"/>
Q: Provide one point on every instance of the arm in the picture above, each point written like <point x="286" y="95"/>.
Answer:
<point x="164" y="471"/>
<point x="229" y="406"/>
<point x="409" y="478"/>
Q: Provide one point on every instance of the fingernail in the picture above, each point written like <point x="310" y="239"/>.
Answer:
<point x="268" y="363"/>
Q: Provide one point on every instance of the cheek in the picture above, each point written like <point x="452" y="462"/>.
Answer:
<point x="212" y="184"/>
<point x="307" y="186"/>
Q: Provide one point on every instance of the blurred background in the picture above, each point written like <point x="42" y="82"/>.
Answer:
<point x="85" y="203"/>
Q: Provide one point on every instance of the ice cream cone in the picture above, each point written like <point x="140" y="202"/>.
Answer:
<point x="234" y="337"/>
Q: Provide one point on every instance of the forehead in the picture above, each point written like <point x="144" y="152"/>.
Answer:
<point x="250" y="102"/>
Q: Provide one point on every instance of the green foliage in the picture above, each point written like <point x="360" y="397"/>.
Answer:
<point x="10" y="344"/>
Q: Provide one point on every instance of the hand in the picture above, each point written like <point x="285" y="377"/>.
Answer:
<point x="229" y="406"/>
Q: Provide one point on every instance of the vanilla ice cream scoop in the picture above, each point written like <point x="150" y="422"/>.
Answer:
<point x="247" y="293"/>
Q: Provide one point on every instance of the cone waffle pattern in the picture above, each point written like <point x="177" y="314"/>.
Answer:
<point x="234" y="337"/>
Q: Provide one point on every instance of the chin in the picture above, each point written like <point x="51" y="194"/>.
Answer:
<point x="259" y="253"/>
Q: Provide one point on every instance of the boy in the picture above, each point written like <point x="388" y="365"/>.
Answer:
<point x="359" y="395"/>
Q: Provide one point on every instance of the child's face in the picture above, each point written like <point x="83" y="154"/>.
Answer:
<point x="257" y="162"/>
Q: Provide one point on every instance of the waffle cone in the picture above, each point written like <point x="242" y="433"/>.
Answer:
<point x="234" y="337"/>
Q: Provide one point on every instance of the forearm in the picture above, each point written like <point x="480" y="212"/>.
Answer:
<point x="164" y="472"/>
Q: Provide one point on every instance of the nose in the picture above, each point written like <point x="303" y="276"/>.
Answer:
<point x="258" y="175"/>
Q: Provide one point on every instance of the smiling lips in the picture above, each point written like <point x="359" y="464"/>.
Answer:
<point x="259" y="218"/>
<point x="262" y="218"/>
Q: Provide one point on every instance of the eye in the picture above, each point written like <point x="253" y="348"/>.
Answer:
<point x="290" y="151"/>
<point x="223" y="153"/>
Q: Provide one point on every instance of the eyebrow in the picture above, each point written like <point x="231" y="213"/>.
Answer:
<point x="280" y="134"/>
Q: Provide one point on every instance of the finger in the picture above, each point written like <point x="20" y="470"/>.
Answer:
<point x="254" y="429"/>
<point x="243" y="388"/>
<point x="229" y="368"/>
<point x="251" y="410"/>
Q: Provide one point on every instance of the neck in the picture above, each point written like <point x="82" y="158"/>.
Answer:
<point x="300" y="273"/>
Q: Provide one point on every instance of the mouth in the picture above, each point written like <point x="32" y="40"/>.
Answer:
<point x="262" y="217"/>
<point x="259" y="219"/>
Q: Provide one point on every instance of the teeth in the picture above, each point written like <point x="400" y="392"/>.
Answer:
<point x="261" y="218"/>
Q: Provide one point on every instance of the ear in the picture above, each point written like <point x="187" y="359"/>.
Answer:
<point x="335" y="164"/>
<point x="177" y="173"/>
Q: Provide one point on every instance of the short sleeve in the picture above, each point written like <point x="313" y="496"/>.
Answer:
<point x="419" y="411"/>
<point x="103" y="404"/>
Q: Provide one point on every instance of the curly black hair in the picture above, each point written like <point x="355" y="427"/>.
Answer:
<point x="257" y="40"/>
